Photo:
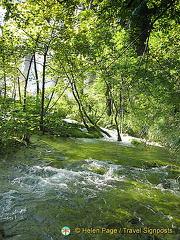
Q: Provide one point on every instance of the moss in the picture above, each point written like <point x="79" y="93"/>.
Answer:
<point x="139" y="143"/>
<point x="65" y="129"/>
<point x="99" y="170"/>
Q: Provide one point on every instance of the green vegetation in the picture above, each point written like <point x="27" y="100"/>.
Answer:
<point x="101" y="63"/>
<point x="136" y="142"/>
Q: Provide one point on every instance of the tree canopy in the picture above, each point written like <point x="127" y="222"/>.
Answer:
<point x="103" y="63"/>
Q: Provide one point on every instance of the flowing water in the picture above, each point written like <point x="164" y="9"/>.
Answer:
<point x="100" y="189"/>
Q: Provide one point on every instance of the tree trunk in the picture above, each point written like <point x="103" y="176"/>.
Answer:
<point x="118" y="130"/>
<point x="75" y="94"/>
<point x="43" y="92"/>
<point x="78" y="99"/>
<point x="19" y="89"/>
<point x="26" y="82"/>
<point x="116" y="122"/>
<point x="84" y="113"/>
<point x="109" y="103"/>
<point x="14" y="91"/>
<point x="121" y="103"/>
<point x="52" y="94"/>
<point x="36" y="76"/>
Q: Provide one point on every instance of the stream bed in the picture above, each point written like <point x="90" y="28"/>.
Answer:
<point x="99" y="189"/>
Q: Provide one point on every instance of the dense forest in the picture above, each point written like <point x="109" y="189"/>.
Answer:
<point x="89" y="119"/>
<point x="103" y="63"/>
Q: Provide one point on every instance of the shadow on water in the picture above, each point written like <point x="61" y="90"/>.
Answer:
<point x="99" y="189"/>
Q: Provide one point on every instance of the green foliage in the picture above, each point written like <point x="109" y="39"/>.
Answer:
<point x="17" y="124"/>
<point x="103" y="73"/>
<point x="56" y="125"/>
<point x="10" y="144"/>
<point x="139" y="143"/>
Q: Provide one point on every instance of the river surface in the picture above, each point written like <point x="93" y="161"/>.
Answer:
<point x="99" y="189"/>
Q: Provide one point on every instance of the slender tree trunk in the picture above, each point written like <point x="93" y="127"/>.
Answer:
<point x="54" y="104"/>
<point x="74" y="92"/>
<point x="121" y="103"/>
<point x="78" y="99"/>
<point x="84" y="113"/>
<point x="36" y="76"/>
<point x="114" y="110"/>
<point x="43" y="92"/>
<point x="52" y="94"/>
<point x="26" y="82"/>
<point x="108" y="100"/>
<point x="122" y="116"/>
<point x="19" y="89"/>
<point x="14" y="91"/>
<point x="116" y="122"/>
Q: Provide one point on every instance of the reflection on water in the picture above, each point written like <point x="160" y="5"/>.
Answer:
<point x="88" y="184"/>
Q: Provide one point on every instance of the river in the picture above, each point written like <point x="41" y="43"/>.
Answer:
<point x="99" y="189"/>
